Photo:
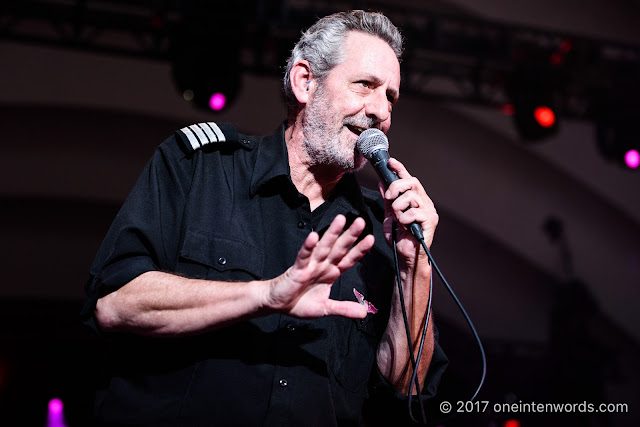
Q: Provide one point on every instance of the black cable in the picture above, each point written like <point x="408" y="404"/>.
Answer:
<point x="466" y="316"/>
<point x="414" y="375"/>
<point x="415" y="364"/>
<point x="407" y="330"/>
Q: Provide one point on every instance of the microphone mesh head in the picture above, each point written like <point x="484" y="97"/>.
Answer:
<point x="372" y="140"/>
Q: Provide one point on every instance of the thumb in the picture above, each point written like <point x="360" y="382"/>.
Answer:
<point x="350" y="309"/>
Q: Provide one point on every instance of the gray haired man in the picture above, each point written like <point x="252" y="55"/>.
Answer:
<point x="249" y="280"/>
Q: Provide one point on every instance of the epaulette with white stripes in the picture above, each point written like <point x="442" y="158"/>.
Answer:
<point x="198" y="135"/>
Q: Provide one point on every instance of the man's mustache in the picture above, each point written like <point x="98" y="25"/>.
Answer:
<point x="361" y="122"/>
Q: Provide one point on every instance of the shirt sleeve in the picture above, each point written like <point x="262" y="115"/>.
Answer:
<point x="145" y="233"/>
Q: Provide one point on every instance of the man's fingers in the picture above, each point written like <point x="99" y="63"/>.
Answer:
<point x="396" y="166"/>
<point x="405" y="201"/>
<point x="350" y="309"/>
<point x="356" y="253"/>
<point x="326" y="244"/>
<point x="343" y="244"/>
<point x="403" y="186"/>
<point x="305" y="252"/>
<point x="322" y="260"/>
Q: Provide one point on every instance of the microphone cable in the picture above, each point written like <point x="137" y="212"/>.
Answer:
<point x="374" y="145"/>
<point x="416" y="360"/>
<point x="414" y="379"/>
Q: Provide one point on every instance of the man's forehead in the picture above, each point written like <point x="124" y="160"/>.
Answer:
<point x="371" y="55"/>
<point x="355" y="39"/>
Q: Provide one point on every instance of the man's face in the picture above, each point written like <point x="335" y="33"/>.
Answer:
<point x="356" y="95"/>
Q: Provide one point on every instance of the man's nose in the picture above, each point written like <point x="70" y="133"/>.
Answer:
<point x="377" y="107"/>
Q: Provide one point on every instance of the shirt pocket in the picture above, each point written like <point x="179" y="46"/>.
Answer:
<point x="356" y="345"/>
<point x="219" y="257"/>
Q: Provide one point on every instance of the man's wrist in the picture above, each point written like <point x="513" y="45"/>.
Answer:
<point x="259" y="292"/>
<point x="262" y="292"/>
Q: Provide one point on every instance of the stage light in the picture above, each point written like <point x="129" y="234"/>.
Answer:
<point x="204" y="81"/>
<point x="217" y="101"/>
<point x="632" y="159"/>
<point x="617" y="116"/>
<point x="511" y="423"/>
<point x="188" y="95"/>
<point x="55" y="413"/>
<point x="544" y="116"/>
<point x="507" y="109"/>
<point x="565" y="47"/>
<point x="618" y="136"/>
<point x="56" y="406"/>
<point x="532" y="91"/>
<point x="619" y="141"/>
<point x="205" y="54"/>
<point x="559" y="57"/>
<point x="556" y="59"/>
<point x="533" y="120"/>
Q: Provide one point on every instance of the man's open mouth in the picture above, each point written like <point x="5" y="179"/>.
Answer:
<point x="356" y="129"/>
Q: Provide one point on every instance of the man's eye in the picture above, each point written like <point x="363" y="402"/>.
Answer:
<point x="364" y="83"/>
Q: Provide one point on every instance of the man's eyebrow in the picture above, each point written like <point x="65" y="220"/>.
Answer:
<point x="393" y="93"/>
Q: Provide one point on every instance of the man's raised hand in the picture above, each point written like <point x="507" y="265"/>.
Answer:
<point x="303" y="290"/>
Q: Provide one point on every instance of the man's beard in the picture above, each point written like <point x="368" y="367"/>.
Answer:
<point x="322" y="143"/>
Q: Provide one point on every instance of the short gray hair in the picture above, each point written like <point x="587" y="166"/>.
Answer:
<point x="322" y="44"/>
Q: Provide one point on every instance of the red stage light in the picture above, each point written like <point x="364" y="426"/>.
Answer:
<point x="512" y="423"/>
<point x="544" y="116"/>
<point x="565" y="46"/>
<point x="556" y="58"/>
<point x="508" y="109"/>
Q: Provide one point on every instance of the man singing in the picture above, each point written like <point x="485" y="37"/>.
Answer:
<point x="250" y="280"/>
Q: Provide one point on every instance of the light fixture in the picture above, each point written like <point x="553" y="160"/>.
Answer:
<point x="617" y="116"/>
<point x="205" y="53"/>
<point x="532" y="91"/>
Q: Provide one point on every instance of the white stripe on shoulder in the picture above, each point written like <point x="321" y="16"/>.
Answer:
<point x="214" y="127"/>
<point x="192" y="138"/>
<point x="207" y="130"/>
<point x="201" y="136"/>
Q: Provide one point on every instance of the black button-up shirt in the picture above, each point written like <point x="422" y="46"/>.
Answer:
<point x="229" y="211"/>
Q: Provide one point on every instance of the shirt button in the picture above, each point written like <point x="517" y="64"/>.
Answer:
<point x="291" y="327"/>
<point x="222" y="260"/>
<point x="302" y="224"/>
<point x="283" y="383"/>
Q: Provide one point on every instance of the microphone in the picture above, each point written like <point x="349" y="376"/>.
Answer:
<point x="374" y="146"/>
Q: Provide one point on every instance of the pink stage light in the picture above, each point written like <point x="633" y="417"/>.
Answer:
<point x="217" y="101"/>
<point x="55" y="415"/>
<point x="56" y="406"/>
<point x="632" y="159"/>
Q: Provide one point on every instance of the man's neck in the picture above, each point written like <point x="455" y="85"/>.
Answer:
<point x="316" y="182"/>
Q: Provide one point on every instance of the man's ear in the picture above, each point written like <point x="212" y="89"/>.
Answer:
<point x="302" y="82"/>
